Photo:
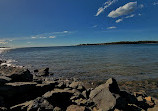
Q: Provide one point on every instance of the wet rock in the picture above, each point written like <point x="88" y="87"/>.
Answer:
<point x="76" y="108"/>
<point x="39" y="104"/>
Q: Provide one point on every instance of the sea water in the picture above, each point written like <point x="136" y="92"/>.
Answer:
<point x="131" y="61"/>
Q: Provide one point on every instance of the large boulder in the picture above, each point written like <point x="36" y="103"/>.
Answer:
<point x="103" y="95"/>
<point x="17" y="74"/>
<point x="19" y="92"/>
<point x="38" y="104"/>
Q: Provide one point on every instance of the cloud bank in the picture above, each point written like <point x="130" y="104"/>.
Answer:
<point x="123" y="10"/>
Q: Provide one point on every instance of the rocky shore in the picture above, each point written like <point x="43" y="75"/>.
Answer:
<point x="22" y="90"/>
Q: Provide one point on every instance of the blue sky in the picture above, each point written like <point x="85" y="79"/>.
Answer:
<point x="26" y="23"/>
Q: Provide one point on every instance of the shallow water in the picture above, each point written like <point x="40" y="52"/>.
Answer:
<point x="138" y="61"/>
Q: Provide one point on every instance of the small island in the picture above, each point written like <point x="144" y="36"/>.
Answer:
<point x="122" y="42"/>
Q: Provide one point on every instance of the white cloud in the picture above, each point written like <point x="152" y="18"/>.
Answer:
<point x="123" y="10"/>
<point x="33" y="37"/>
<point x="52" y="37"/>
<point x="42" y="37"/>
<point x="29" y="42"/>
<point x="130" y="16"/>
<point x="63" y="32"/>
<point x="155" y="3"/>
<point x="113" y="27"/>
<point x="119" y="20"/>
<point x="106" y="5"/>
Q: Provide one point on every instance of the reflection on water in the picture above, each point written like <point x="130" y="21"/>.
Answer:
<point x="92" y="62"/>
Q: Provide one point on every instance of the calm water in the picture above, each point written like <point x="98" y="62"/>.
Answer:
<point x="91" y="62"/>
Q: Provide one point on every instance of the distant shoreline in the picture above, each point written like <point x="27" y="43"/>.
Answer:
<point x="122" y="42"/>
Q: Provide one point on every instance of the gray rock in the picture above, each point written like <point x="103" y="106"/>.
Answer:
<point x="103" y="95"/>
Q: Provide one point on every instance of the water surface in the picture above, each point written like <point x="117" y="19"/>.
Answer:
<point x="137" y="61"/>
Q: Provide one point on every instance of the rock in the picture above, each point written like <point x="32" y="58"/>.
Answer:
<point x="3" y="109"/>
<point x="21" y="76"/>
<point x="102" y="96"/>
<point x="57" y="109"/>
<point x="43" y="72"/>
<point x="140" y="93"/>
<point x="59" y="97"/>
<point x="77" y="85"/>
<point x="155" y="108"/>
<point x="19" y="92"/>
<point x="16" y="74"/>
<point x="2" y="61"/>
<point x="131" y="99"/>
<point x="149" y="101"/>
<point x="76" y="108"/>
<point x="4" y="80"/>
<point x="140" y="98"/>
<point x="86" y="93"/>
<point x="39" y="104"/>
<point x="112" y="85"/>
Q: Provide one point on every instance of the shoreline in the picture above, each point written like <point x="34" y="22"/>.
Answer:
<point x="28" y="89"/>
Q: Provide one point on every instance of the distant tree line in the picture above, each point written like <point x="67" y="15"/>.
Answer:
<point x="123" y="42"/>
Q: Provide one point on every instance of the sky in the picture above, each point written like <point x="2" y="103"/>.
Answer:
<point x="31" y="23"/>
